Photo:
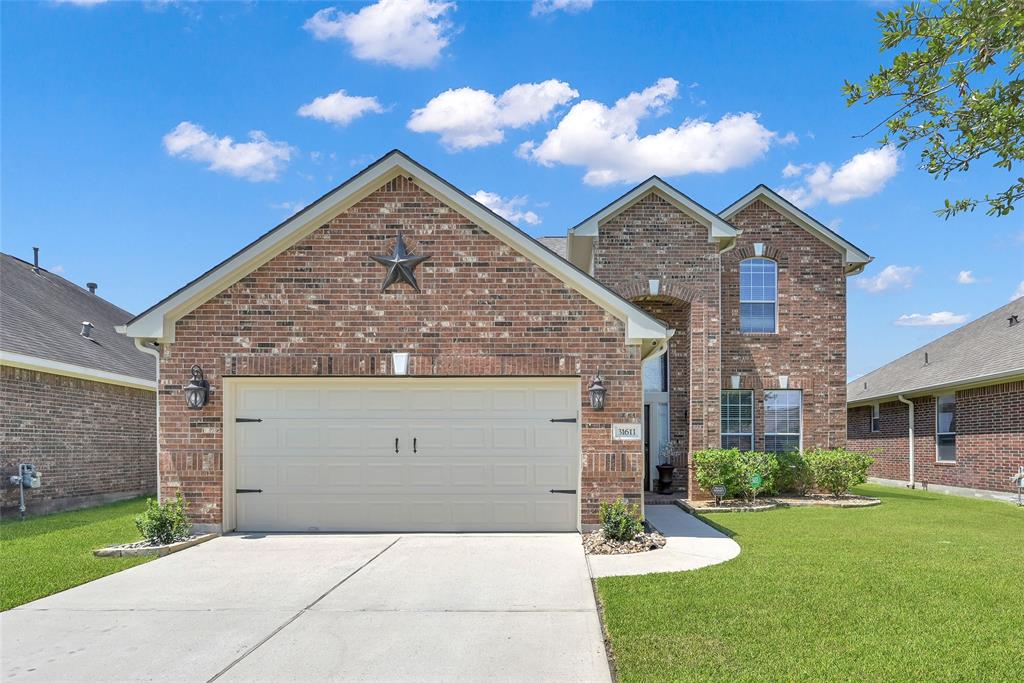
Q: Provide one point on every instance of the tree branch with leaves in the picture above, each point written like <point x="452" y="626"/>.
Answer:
<point x="958" y="76"/>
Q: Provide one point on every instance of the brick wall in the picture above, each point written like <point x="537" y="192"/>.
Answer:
<point x="653" y="240"/>
<point x="989" y="442"/>
<point x="92" y="442"/>
<point x="316" y="310"/>
<point x="810" y="342"/>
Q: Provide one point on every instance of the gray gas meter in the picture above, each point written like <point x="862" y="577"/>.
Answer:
<point x="26" y="478"/>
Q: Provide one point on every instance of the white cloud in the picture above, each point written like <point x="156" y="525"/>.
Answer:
<point x="1019" y="292"/>
<point x="606" y="142"/>
<point x="467" y="118"/>
<point x="81" y="3"/>
<point x="56" y="270"/>
<point x="860" y="176"/>
<point x="931" y="319"/>
<point x="891" y="277"/>
<point x="256" y="160"/>
<point x="966" y="277"/>
<point x="340" y="107"/>
<point x="405" y="33"/>
<point x="571" y="6"/>
<point x="511" y="209"/>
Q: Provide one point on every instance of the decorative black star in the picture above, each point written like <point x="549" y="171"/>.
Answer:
<point x="400" y="265"/>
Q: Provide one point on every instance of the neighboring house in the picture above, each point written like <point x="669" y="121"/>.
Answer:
<point x="77" y="400"/>
<point x="354" y="386"/>
<point x="965" y="395"/>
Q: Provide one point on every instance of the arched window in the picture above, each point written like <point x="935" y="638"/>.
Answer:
<point x="758" y="293"/>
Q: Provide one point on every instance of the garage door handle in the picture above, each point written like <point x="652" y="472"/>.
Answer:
<point x="248" y="490"/>
<point x="569" y="491"/>
<point x="414" y="444"/>
<point x="396" y="444"/>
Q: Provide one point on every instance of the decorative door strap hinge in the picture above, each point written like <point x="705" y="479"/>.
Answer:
<point x="564" y="419"/>
<point x="248" y="490"/>
<point x="569" y="491"/>
<point x="248" y="419"/>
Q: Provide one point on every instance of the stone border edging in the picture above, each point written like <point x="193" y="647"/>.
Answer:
<point x="785" y="502"/>
<point x="155" y="550"/>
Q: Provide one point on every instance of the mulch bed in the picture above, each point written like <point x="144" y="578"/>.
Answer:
<point x="595" y="543"/>
<point x="143" y="548"/>
<point x="771" y="502"/>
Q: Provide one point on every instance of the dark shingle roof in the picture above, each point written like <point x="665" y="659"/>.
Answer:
<point x="987" y="347"/>
<point x="41" y="316"/>
<point x="555" y="244"/>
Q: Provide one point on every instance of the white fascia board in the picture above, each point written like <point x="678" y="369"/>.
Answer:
<point x="53" y="367"/>
<point x="158" y="322"/>
<point x="718" y="229"/>
<point x="854" y="257"/>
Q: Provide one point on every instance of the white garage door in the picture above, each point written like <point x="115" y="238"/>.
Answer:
<point x="403" y="454"/>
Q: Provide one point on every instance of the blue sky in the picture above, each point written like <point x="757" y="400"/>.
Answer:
<point x="116" y="118"/>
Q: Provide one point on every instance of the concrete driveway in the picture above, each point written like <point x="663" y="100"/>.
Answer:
<point x="324" y="607"/>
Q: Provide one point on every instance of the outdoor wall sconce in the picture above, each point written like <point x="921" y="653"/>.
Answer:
<point x="197" y="390"/>
<point x="597" y="392"/>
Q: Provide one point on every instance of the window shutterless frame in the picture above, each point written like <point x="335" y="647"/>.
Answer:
<point x="876" y="420"/>
<point x="945" y="428"/>
<point x="737" y="408"/>
<point x="759" y="289"/>
<point x="783" y="420"/>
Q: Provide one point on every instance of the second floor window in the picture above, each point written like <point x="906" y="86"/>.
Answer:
<point x="758" y="293"/>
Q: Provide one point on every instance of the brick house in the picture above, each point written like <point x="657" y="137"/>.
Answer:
<point x="398" y="357"/>
<point x="77" y="400"/>
<point x="949" y="415"/>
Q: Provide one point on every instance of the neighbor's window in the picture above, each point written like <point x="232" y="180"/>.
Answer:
<point x="738" y="420"/>
<point x="876" y="421"/>
<point x="782" y="420"/>
<point x="758" y="293"/>
<point x="945" y="428"/>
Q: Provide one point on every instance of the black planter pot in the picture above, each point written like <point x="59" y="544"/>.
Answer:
<point x="665" y="473"/>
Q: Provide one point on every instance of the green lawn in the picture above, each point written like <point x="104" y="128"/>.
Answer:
<point x="47" y="554"/>
<point x="924" y="587"/>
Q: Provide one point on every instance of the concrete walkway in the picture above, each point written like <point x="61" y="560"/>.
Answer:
<point x="465" y="607"/>
<point x="692" y="544"/>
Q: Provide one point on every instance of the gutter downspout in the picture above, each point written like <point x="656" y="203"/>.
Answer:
<point x="910" y="435"/>
<point x="139" y="344"/>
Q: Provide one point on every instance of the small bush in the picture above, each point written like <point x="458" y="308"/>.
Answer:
<point x="794" y="476"/>
<point x="162" y="524"/>
<point x="715" y="466"/>
<point x="620" y="521"/>
<point x="749" y="463"/>
<point x="837" y="470"/>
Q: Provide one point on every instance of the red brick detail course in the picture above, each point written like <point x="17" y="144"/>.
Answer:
<point x="90" y="441"/>
<point x="316" y="310"/>
<point x="989" y="441"/>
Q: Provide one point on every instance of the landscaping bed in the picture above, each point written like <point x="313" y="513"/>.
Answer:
<point x="596" y="543"/>
<point x="848" y="500"/>
<point x="146" y="548"/>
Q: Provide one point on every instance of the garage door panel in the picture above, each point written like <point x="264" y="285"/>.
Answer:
<point x="486" y="455"/>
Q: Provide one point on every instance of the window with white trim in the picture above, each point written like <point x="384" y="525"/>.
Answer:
<point x="782" y="408"/>
<point x="738" y="420"/>
<point x="758" y="295"/>
<point x="876" y="420"/>
<point x="945" y="428"/>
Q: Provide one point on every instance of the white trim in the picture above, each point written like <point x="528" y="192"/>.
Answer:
<point x="53" y="367"/>
<point x="854" y="257"/>
<point x="718" y="229"/>
<point x="158" y="322"/>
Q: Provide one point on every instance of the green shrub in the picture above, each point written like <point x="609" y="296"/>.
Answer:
<point x="713" y="466"/>
<point x="165" y="523"/>
<point x="794" y="476"/>
<point x="621" y="521"/>
<point x="750" y="463"/>
<point x="837" y="470"/>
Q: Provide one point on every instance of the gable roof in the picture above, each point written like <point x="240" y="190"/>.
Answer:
<point x="856" y="258"/>
<point x="41" y="317"/>
<point x="157" y="322"/>
<point x="718" y="229"/>
<point x="555" y="244"/>
<point x="987" y="349"/>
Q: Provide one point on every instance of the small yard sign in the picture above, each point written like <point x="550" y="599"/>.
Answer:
<point x="755" y="481"/>
<point x="626" y="432"/>
<point x="719" y="490"/>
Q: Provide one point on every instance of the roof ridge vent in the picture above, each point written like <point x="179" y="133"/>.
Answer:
<point x="86" y="329"/>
